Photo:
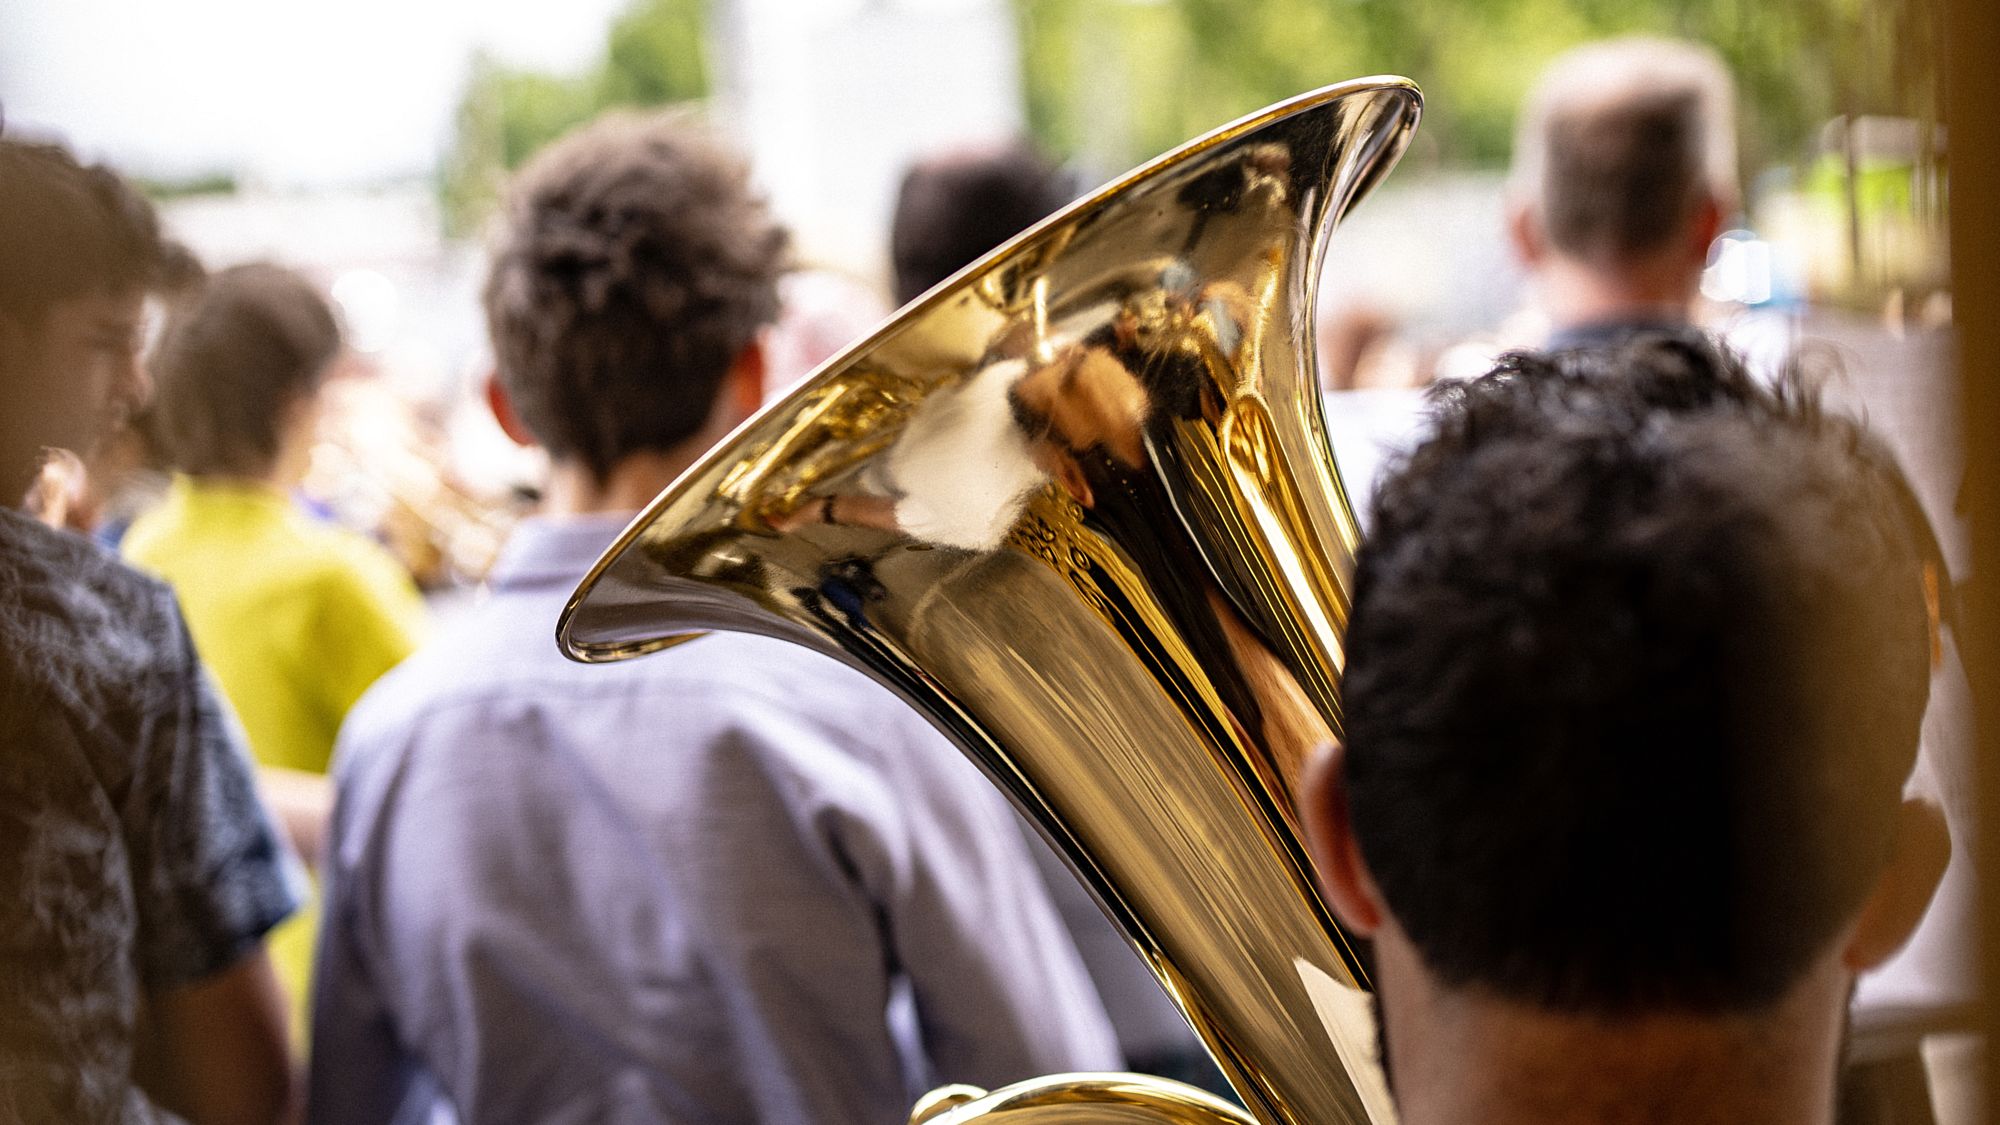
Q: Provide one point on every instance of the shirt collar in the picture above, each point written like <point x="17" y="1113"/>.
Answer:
<point x="207" y="493"/>
<point x="552" y="550"/>
<point x="1615" y="331"/>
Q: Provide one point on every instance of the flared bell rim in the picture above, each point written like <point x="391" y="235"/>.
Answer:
<point x="1395" y="130"/>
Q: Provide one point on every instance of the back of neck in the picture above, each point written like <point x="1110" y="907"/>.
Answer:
<point x="575" y="490"/>
<point x="1575" y="294"/>
<point x="1497" y="1063"/>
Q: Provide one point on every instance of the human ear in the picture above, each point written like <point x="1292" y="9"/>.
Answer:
<point x="1917" y="859"/>
<point x="504" y="413"/>
<point x="1706" y="227"/>
<point x="1343" y="876"/>
<point x="1524" y="234"/>
<point x="743" y="387"/>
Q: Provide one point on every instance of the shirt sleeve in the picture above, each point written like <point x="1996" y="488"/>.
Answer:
<point x="211" y="877"/>
<point x="360" y="1071"/>
<point x="838" y="878"/>
<point x="795" y="944"/>
<point x="1001" y="991"/>
<point x="372" y="618"/>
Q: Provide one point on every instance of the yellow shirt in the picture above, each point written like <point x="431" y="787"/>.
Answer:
<point x="295" y="617"/>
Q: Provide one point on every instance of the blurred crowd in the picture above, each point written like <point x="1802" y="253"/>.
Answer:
<point x="321" y="823"/>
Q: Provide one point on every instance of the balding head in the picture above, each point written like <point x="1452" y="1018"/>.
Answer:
<point x="1623" y="146"/>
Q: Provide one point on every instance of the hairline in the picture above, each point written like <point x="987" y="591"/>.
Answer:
<point x="1588" y="82"/>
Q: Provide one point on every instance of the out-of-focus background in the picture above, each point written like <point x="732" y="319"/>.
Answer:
<point x="365" y="140"/>
<point x="365" y="143"/>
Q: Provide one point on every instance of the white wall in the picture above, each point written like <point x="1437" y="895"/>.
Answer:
<point x="833" y="99"/>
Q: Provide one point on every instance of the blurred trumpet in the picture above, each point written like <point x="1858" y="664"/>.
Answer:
<point x="382" y="465"/>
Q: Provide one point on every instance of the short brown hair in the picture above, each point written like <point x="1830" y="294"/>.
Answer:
<point x="953" y="208"/>
<point x="634" y="266"/>
<point x="234" y="357"/>
<point x="1621" y="143"/>
<point x="69" y="230"/>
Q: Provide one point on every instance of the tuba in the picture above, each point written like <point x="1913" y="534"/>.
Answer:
<point x="1077" y="505"/>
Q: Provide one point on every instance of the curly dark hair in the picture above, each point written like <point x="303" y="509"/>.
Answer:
<point x="234" y="357"/>
<point x="69" y="229"/>
<point x="634" y="267"/>
<point x="1638" y="659"/>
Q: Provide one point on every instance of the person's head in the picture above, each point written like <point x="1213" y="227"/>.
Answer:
<point x="238" y="370"/>
<point x="953" y="208"/>
<point x="1625" y="162"/>
<point x="634" y="270"/>
<point x="79" y="252"/>
<point x="1638" y="658"/>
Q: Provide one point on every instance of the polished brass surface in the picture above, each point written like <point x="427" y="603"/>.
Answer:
<point x="1077" y="506"/>
<point x="1135" y="1099"/>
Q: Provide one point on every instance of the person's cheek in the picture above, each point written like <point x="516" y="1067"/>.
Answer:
<point x="131" y="384"/>
<point x="93" y="401"/>
<point x="141" y="379"/>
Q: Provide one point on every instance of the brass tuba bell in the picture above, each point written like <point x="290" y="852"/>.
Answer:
<point x="1077" y="506"/>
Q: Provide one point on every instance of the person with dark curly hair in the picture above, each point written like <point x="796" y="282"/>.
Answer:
<point x="731" y="882"/>
<point x="1639" y="652"/>
<point x="139" y="873"/>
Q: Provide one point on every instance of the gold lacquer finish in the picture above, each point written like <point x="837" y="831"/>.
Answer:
<point x="1135" y="1099"/>
<point x="1077" y="506"/>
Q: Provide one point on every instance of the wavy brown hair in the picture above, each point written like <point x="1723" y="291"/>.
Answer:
<point x="234" y="358"/>
<point x="634" y="266"/>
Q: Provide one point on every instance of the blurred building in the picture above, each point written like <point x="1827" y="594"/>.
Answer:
<point x="834" y="99"/>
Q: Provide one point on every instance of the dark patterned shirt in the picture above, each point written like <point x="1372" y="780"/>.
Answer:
<point x="134" y="856"/>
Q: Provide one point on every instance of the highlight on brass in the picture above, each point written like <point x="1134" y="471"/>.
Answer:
<point x="1070" y="1097"/>
<point x="1076" y="505"/>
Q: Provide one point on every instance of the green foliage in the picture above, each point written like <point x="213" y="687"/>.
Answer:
<point x="1113" y="82"/>
<point x="182" y="187"/>
<point x="655" y="54"/>
<point x="1189" y="65"/>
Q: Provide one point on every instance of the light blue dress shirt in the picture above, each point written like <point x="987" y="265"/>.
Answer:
<point x="729" y="882"/>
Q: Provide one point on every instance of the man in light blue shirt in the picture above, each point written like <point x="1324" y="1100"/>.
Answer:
<point x="730" y="882"/>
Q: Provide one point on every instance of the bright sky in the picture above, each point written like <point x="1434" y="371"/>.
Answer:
<point x="288" y="92"/>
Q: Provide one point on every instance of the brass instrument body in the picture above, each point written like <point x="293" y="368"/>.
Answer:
<point x="1077" y="506"/>
<point x="1101" y="1099"/>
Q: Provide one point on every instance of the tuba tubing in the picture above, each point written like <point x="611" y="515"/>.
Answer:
<point x="1077" y="505"/>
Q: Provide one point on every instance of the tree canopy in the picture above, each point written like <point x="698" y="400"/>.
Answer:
<point x="654" y="54"/>
<point x="1112" y="82"/>
<point x="1120" y="80"/>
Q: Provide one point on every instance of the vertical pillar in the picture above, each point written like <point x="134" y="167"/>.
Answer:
<point x="834" y="98"/>
<point x="1972" y="116"/>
